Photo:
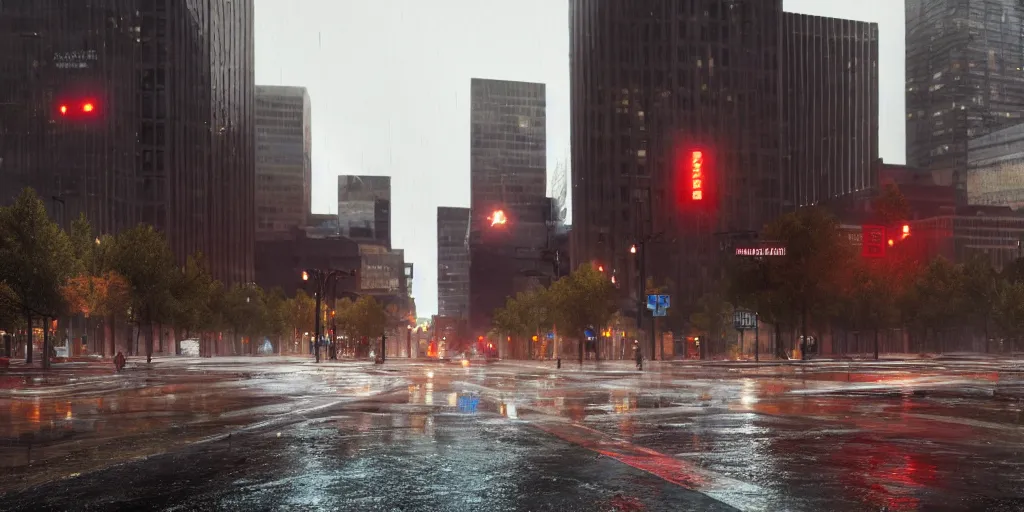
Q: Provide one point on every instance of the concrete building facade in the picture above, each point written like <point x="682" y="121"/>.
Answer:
<point x="364" y="208"/>
<point x="284" y="170"/>
<point x="963" y="79"/>
<point x="829" y="107"/>
<point x="509" y="210"/>
<point x="453" y="262"/>
<point x="652" y="82"/>
<point x="68" y="110"/>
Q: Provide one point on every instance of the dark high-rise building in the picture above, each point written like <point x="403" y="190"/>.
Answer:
<point x="964" y="61"/>
<point x="453" y="262"/>
<point x="364" y="208"/>
<point x="67" y="107"/>
<point x="509" y="210"/>
<point x="653" y="82"/>
<point x="135" y="111"/>
<point x="196" y="168"/>
<point x="284" y="172"/>
<point x="829" y="107"/>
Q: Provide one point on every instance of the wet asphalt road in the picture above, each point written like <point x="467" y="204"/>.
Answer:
<point x="923" y="436"/>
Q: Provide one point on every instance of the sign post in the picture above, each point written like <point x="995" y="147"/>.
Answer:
<point x="658" y="305"/>
<point x="743" y="320"/>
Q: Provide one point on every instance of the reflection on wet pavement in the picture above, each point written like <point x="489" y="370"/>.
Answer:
<point x="816" y="437"/>
<point x="46" y="432"/>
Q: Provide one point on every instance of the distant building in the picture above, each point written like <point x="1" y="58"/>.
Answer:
<point x="364" y="208"/>
<point x="509" y="208"/>
<point x="453" y="262"/>
<point x="964" y="80"/>
<point x="996" y="168"/>
<point x="284" y="172"/>
<point x="279" y="263"/>
<point x="829" y="107"/>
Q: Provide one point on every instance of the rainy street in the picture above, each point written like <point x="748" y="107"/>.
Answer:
<point x="286" y="434"/>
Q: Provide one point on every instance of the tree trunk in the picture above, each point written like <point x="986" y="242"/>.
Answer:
<point x="803" y="331"/>
<point x="149" y="342"/>
<point x="46" y="344"/>
<point x="876" y="344"/>
<point x="138" y="332"/>
<point x="780" y="348"/>
<point x="28" y="343"/>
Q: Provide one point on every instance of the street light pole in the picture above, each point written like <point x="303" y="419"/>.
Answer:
<point x="321" y="278"/>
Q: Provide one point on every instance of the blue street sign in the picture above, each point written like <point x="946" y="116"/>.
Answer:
<point x="658" y="304"/>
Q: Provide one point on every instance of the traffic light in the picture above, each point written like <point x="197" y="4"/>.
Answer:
<point x="906" y="230"/>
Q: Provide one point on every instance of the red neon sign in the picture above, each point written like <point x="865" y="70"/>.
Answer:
<point x="697" y="175"/>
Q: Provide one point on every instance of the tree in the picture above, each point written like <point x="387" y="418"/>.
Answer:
<point x="363" y="318"/>
<point x="981" y="293"/>
<point x="713" y="317"/>
<point x="525" y="315"/>
<point x="871" y="296"/>
<point x="302" y="314"/>
<point x="245" y="312"/>
<point x="193" y="296"/>
<point x="142" y="256"/>
<point x="891" y="206"/>
<point x="936" y="299"/>
<point x="585" y="298"/>
<point x="807" y="280"/>
<point x="35" y="262"/>
<point x="1009" y="311"/>
<point x="97" y="296"/>
<point x="276" y="318"/>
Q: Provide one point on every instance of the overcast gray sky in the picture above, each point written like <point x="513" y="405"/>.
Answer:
<point x="389" y="82"/>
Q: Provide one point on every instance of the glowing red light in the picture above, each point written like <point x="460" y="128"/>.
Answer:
<point x="600" y="268"/>
<point x="906" y="230"/>
<point x="63" y="109"/>
<point x="697" y="175"/>
<point x="88" y="107"/>
<point x="498" y="218"/>
<point x="891" y="242"/>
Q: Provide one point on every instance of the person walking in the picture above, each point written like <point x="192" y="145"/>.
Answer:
<point x="638" y="355"/>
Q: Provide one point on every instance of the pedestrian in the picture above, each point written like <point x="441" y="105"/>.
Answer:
<point x="119" y="361"/>
<point x="638" y="355"/>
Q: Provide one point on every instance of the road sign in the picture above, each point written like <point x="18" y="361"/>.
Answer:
<point x="658" y="304"/>
<point x="743" y="320"/>
<point x="873" y="241"/>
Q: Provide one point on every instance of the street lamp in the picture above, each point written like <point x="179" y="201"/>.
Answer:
<point x="321" y="278"/>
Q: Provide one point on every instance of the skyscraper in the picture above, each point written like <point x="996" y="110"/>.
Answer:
<point x="364" y="208"/>
<point x="167" y="137"/>
<point x="284" y="170"/>
<point x="829" y="107"/>
<point x="509" y="209"/>
<point x="964" y="80"/>
<point x="68" y="113"/>
<point x="453" y="262"/>
<point x="655" y="83"/>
